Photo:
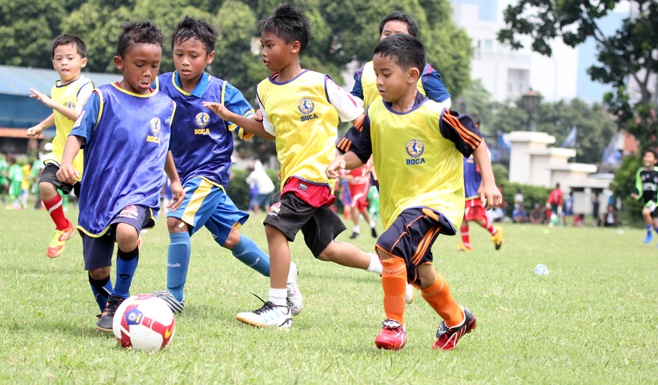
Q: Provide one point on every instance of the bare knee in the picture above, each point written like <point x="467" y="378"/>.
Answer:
<point x="100" y="273"/>
<point x="47" y="190"/>
<point x="175" y="225"/>
<point x="427" y="275"/>
<point x="232" y="239"/>
<point x="328" y="254"/>
<point x="126" y="237"/>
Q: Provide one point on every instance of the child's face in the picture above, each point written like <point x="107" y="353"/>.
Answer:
<point x="68" y="62"/>
<point x="649" y="159"/>
<point x="191" y="59"/>
<point x="393" y="83"/>
<point x="276" y="54"/>
<point x="140" y="67"/>
<point x="392" y="27"/>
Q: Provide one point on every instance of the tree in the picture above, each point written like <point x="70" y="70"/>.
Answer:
<point x="629" y="53"/>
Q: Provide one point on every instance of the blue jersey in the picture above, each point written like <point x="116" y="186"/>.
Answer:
<point x="126" y="139"/>
<point x="202" y="142"/>
<point x="472" y="179"/>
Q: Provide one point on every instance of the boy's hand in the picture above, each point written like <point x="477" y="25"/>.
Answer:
<point x="333" y="170"/>
<point x="45" y="99"/>
<point x="490" y="196"/>
<point x="258" y="116"/>
<point x="34" y="131"/>
<point x="219" y="109"/>
<point x="67" y="174"/>
<point x="179" y="195"/>
<point x="634" y="195"/>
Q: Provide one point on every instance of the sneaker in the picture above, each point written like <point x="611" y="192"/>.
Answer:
<point x="354" y="235"/>
<point x="294" y="299"/>
<point x="392" y="337"/>
<point x="409" y="295"/>
<point x="373" y="232"/>
<point x="463" y="247"/>
<point x="175" y="305"/>
<point x="56" y="246"/>
<point x="649" y="237"/>
<point x="497" y="238"/>
<point x="267" y="316"/>
<point x="447" y="337"/>
<point x="104" y="323"/>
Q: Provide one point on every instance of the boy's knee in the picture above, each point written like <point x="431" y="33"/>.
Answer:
<point x="100" y="273"/>
<point x="233" y="239"/>
<point x="126" y="237"/>
<point x="175" y="225"/>
<point x="427" y="275"/>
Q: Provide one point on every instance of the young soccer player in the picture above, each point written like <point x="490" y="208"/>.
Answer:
<point x="358" y="183"/>
<point x="646" y="183"/>
<point x="68" y="97"/>
<point x="202" y="146"/>
<point x="300" y="109"/>
<point x="125" y="129"/>
<point x="418" y="149"/>
<point x="474" y="210"/>
<point x="429" y="83"/>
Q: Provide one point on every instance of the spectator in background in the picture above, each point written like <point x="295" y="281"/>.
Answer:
<point x="579" y="220"/>
<point x="518" y="199"/>
<point x="596" y="204"/>
<point x="568" y="207"/>
<point x="519" y="215"/>
<point x="263" y="186"/>
<point x="554" y="203"/>
<point x="611" y="217"/>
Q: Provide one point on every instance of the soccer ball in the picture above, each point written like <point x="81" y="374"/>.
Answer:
<point x="144" y="322"/>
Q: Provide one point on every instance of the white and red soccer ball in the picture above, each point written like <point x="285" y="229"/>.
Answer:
<point x="144" y="322"/>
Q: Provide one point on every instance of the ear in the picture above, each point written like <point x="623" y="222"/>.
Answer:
<point x="118" y="62"/>
<point x="83" y="62"/>
<point x="295" y="47"/>
<point x="413" y="74"/>
<point x="210" y="56"/>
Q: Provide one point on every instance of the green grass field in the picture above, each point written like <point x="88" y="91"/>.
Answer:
<point x="591" y="321"/>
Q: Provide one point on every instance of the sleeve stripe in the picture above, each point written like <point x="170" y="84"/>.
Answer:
<point x="344" y="145"/>
<point x="472" y="139"/>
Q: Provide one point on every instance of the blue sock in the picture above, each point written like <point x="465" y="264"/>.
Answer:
<point x="248" y="252"/>
<point x="649" y="228"/>
<point x="178" y="260"/>
<point x="102" y="290"/>
<point x="126" y="266"/>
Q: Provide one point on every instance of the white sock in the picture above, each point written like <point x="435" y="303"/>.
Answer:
<point x="278" y="296"/>
<point x="356" y="229"/>
<point x="292" y="273"/>
<point x="375" y="264"/>
<point x="372" y="224"/>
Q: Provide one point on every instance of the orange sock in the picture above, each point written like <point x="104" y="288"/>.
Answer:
<point x="439" y="297"/>
<point x="394" y="282"/>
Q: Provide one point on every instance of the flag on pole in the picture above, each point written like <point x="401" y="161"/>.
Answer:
<point x="570" y="141"/>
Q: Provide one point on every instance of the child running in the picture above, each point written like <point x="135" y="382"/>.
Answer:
<point x="300" y="109"/>
<point x="417" y="147"/>
<point x="202" y="145"/>
<point x="125" y="129"/>
<point x="646" y="184"/>
<point x="68" y="97"/>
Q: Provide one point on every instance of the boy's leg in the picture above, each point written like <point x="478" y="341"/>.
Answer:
<point x="648" y="220"/>
<point x="466" y="237"/>
<point x="97" y="253"/>
<point x="178" y="259"/>
<point x="64" y="229"/>
<point x="354" y="215"/>
<point x="479" y="214"/>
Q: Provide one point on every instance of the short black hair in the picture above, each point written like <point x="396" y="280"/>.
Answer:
<point x="191" y="28"/>
<point x="288" y="24"/>
<point x="67" y="39"/>
<point x="651" y="151"/>
<point x="475" y="118"/>
<point x="407" y="51"/>
<point x="412" y="24"/>
<point x="138" y="32"/>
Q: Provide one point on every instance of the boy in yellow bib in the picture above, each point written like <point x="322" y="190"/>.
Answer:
<point x="67" y="98"/>
<point x="417" y="148"/>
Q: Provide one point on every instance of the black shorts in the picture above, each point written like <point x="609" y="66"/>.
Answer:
<point x="320" y="225"/>
<point x="48" y="175"/>
<point x="411" y="237"/>
<point x="98" y="251"/>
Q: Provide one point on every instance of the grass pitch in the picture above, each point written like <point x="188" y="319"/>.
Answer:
<point x="592" y="320"/>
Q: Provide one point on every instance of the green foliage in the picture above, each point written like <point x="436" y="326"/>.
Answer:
<point x="477" y="100"/>
<point x="628" y="53"/>
<point x="623" y="185"/>
<point x="501" y="173"/>
<point x="533" y="196"/>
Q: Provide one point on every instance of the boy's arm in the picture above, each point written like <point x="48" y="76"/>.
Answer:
<point x="67" y="173"/>
<point x="347" y="161"/>
<point x="357" y="89"/>
<point x="175" y="183"/>
<point x="489" y="193"/>
<point x="250" y="125"/>
<point x="434" y="88"/>
<point x="638" y="185"/>
<point x="39" y="128"/>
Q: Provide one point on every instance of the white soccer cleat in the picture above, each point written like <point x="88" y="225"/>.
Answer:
<point x="409" y="295"/>
<point x="268" y="316"/>
<point x="294" y="299"/>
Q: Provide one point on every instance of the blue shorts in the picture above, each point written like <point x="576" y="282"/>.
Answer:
<point x="263" y="200"/>
<point x="411" y="237"/>
<point x="206" y="204"/>
<point x="98" y="251"/>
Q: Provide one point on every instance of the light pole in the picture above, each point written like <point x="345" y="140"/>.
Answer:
<point x="530" y="103"/>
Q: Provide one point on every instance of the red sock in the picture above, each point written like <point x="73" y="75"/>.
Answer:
<point x="54" y="207"/>
<point x="490" y="228"/>
<point x="466" y="238"/>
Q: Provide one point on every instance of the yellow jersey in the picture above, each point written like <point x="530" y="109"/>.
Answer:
<point x="418" y="156"/>
<point x="67" y="95"/>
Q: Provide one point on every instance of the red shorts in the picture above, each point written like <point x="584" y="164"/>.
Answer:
<point x="474" y="210"/>
<point x="359" y="196"/>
